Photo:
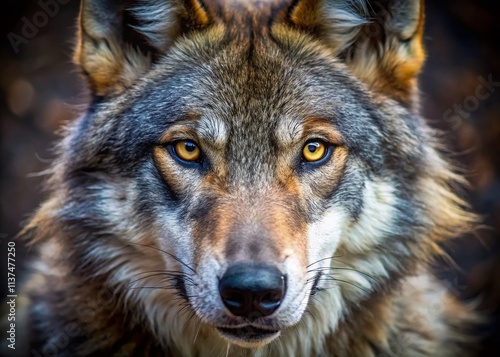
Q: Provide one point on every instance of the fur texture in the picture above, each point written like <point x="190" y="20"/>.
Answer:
<point x="133" y="240"/>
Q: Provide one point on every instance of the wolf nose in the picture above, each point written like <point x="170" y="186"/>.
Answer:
<point x="252" y="290"/>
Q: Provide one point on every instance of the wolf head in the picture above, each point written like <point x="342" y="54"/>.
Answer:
<point x="249" y="161"/>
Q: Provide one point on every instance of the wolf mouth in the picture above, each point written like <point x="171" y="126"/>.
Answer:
<point x="248" y="333"/>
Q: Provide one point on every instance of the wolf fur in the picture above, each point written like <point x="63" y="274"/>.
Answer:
<point x="132" y="242"/>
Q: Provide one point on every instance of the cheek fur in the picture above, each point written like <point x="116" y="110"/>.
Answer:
<point x="324" y="235"/>
<point x="375" y="220"/>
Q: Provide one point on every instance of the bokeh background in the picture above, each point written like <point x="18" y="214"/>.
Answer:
<point x="40" y="90"/>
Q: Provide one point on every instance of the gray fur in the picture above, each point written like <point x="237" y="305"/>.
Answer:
<point x="245" y="100"/>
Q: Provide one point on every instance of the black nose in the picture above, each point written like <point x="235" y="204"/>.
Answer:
<point x="252" y="290"/>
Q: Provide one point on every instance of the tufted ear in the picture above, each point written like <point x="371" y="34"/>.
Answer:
<point x="119" y="40"/>
<point x="379" y="40"/>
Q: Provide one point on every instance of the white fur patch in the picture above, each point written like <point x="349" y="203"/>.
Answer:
<point x="376" y="219"/>
<point x="361" y="266"/>
<point x="324" y="235"/>
<point x="213" y="129"/>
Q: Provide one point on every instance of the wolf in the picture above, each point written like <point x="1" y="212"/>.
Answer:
<point x="251" y="178"/>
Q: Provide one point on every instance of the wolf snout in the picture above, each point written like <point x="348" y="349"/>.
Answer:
<point x="252" y="290"/>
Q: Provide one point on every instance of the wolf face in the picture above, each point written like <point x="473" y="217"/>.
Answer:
<point x="247" y="163"/>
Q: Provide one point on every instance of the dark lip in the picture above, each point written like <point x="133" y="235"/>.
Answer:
<point x="248" y="333"/>
<point x="180" y="286"/>
<point x="315" y="289"/>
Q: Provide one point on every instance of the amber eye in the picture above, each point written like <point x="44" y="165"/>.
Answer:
<point x="187" y="150"/>
<point x="314" y="151"/>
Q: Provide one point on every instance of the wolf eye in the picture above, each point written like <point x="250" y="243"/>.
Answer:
<point x="187" y="150"/>
<point x="314" y="151"/>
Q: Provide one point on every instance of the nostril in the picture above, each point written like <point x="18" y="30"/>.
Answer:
<point x="238" y="301"/>
<point x="233" y="298"/>
<point x="269" y="302"/>
<point x="271" y="297"/>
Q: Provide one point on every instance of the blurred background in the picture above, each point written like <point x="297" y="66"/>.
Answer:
<point x="40" y="90"/>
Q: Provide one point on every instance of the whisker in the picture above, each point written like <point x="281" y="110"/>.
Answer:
<point x="167" y="276"/>
<point x="212" y="349"/>
<point x="191" y="316"/>
<point x="346" y="282"/>
<point x="197" y="331"/>
<point x="173" y="256"/>
<point x="161" y="271"/>
<point x="165" y="287"/>
<point x="153" y="287"/>
<point x="185" y="308"/>
<point x="173" y="277"/>
<point x="322" y="260"/>
<point x="343" y="268"/>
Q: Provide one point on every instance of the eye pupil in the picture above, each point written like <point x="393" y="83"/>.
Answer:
<point x="190" y="146"/>
<point x="312" y="147"/>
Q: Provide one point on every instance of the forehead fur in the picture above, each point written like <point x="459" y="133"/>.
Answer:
<point x="244" y="83"/>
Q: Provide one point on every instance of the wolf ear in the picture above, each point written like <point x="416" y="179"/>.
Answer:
<point x="379" y="40"/>
<point x="118" y="40"/>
